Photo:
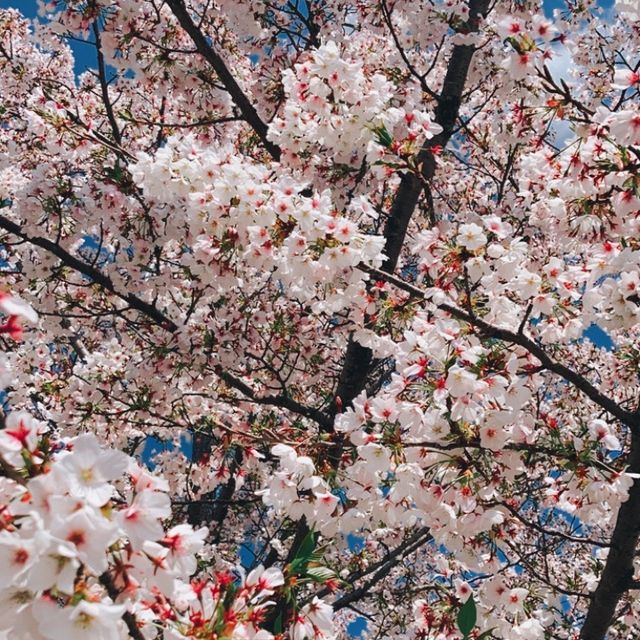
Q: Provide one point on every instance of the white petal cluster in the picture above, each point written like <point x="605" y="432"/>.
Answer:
<point x="83" y="543"/>
<point x="294" y="490"/>
<point x="245" y="224"/>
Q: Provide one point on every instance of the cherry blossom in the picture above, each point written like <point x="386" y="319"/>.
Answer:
<point x="319" y="316"/>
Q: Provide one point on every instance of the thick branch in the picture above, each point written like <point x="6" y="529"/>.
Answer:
<point x="96" y="275"/>
<point x="128" y="617"/>
<point x="238" y="96"/>
<point x="357" y="361"/>
<point x="632" y="420"/>
<point x="551" y="532"/>
<point x="446" y="115"/>
<point x="617" y="576"/>
<point x="153" y="313"/>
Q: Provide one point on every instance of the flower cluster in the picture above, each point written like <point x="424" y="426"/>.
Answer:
<point x="244" y="223"/>
<point x="338" y="107"/>
<point x="85" y="552"/>
<point x="296" y="491"/>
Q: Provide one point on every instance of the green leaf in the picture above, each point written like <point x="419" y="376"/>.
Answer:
<point x="296" y="567"/>
<point x="383" y="137"/>
<point x="316" y="557"/>
<point x="307" y="547"/>
<point x="304" y="555"/>
<point x="467" y="617"/>
<point x="320" y="574"/>
<point x="277" y="625"/>
<point x="486" y="634"/>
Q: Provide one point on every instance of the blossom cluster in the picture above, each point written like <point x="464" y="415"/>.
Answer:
<point x="296" y="491"/>
<point x="242" y="222"/>
<point x="85" y="550"/>
<point x="326" y="95"/>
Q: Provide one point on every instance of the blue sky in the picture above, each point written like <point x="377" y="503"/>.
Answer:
<point x="28" y="7"/>
<point x="84" y="54"/>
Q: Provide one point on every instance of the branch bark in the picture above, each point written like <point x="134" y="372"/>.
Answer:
<point x="91" y="272"/>
<point x="160" y="318"/>
<point x="282" y="401"/>
<point x="104" y="86"/>
<point x="206" y="50"/>
<point x="127" y="616"/>
<point x="381" y="570"/>
<point x="617" y="575"/>
<point x="357" y="361"/>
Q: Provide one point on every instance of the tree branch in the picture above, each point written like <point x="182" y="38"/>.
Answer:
<point x="238" y="96"/>
<point x="381" y="569"/>
<point x="104" y="87"/>
<point x="127" y="616"/>
<point x="357" y="360"/>
<point x="94" y="274"/>
<point x="631" y="419"/>
<point x="617" y="576"/>
<point x="282" y="401"/>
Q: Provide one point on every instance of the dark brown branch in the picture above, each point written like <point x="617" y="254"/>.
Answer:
<point x="96" y="275"/>
<point x="631" y="419"/>
<point x="446" y="116"/>
<point x="381" y="569"/>
<point x="564" y="91"/>
<point x="617" y="576"/>
<point x="206" y="122"/>
<point x="421" y="78"/>
<point x="152" y="312"/>
<point x="238" y="96"/>
<point x="104" y="87"/>
<point x="282" y="401"/>
<point x="551" y="532"/>
<point x="513" y="446"/>
<point x="523" y="559"/>
<point x="127" y="616"/>
<point x="357" y="360"/>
